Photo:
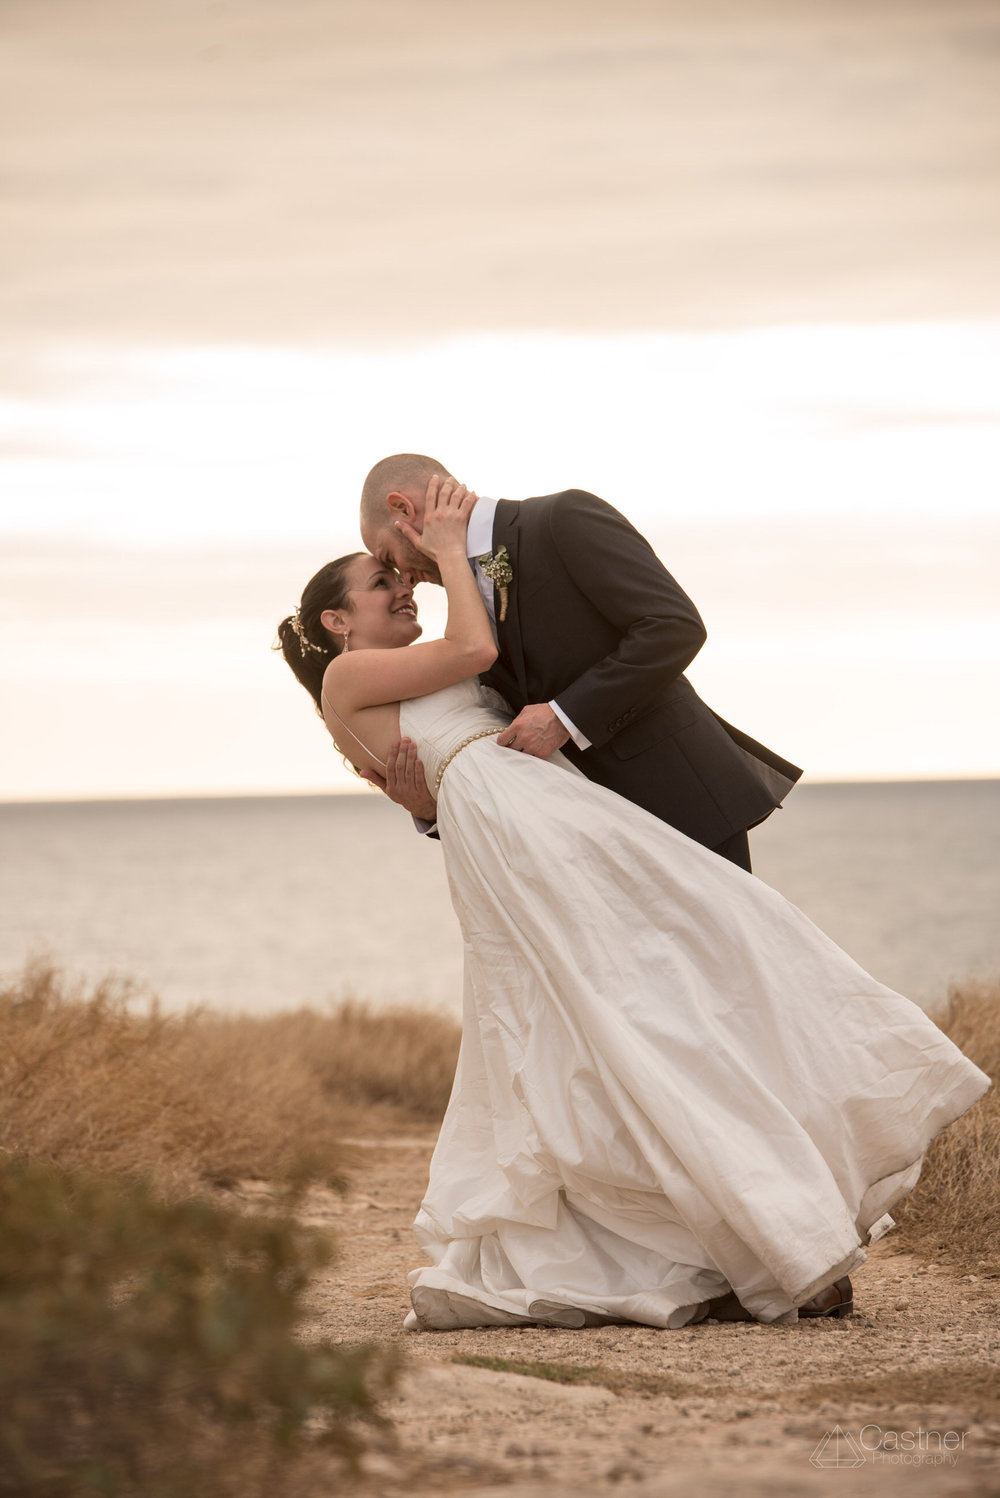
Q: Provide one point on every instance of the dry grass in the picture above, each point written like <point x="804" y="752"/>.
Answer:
<point x="392" y="1067"/>
<point x="89" y="1082"/>
<point x="152" y="1338"/>
<point x="953" y="1215"/>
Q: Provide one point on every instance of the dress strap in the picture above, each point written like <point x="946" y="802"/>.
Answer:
<point x="371" y="754"/>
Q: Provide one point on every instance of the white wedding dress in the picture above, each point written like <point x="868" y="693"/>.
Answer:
<point x="670" y="1081"/>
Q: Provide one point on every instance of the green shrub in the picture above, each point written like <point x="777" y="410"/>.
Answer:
<point x="148" y="1347"/>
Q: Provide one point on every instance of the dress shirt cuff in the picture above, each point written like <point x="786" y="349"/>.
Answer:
<point x="424" y="827"/>
<point x="579" y="739"/>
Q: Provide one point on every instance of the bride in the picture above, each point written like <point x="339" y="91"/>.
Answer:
<point x="675" y="1096"/>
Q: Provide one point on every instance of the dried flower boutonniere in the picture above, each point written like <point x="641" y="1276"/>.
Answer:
<point x="499" y="571"/>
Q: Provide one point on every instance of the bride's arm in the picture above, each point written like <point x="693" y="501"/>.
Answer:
<point x="365" y="678"/>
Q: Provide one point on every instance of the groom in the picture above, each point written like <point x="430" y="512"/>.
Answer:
<point x="594" y="636"/>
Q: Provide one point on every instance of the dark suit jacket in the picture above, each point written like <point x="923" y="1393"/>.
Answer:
<point x="596" y="623"/>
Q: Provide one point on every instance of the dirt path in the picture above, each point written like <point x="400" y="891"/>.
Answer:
<point x="703" y="1410"/>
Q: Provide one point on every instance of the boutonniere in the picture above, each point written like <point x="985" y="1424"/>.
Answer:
<point x="498" y="569"/>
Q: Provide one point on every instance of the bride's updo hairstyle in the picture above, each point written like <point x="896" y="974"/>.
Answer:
<point x="306" y="645"/>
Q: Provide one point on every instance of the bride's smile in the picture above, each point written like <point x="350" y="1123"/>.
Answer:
<point x="380" y="613"/>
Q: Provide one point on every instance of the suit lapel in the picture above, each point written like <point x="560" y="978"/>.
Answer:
<point x="506" y="532"/>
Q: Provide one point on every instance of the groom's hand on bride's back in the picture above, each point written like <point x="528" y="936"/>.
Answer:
<point x="404" y="781"/>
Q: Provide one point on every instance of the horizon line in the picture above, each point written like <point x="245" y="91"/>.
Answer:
<point x="328" y="792"/>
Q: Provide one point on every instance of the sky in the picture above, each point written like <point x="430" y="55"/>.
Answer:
<point x="730" y="267"/>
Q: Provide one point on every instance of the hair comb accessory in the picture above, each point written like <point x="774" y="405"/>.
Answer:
<point x="304" y="642"/>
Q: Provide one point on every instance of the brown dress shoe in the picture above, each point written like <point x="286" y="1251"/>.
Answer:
<point x="836" y="1300"/>
<point x="726" y="1308"/>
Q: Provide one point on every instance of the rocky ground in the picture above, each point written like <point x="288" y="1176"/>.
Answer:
<point x="912" y="1380"/>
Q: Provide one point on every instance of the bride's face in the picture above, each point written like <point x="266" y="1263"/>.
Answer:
<point x="381" y="614"/>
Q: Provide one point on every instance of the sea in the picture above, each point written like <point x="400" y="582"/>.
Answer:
<point x="257" y="904"/>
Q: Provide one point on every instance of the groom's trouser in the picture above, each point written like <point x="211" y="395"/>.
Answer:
<point x="737" y="850"/>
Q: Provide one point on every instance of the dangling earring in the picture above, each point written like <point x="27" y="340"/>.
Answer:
<point x="347" y="635"/>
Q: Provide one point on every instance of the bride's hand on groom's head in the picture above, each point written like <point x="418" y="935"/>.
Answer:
<point x="404" y="781"/>
<point x="447" y="507"/>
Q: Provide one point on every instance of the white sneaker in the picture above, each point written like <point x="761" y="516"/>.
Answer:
<point x="442" y="1310"/>
<point x="551" y="1314"/>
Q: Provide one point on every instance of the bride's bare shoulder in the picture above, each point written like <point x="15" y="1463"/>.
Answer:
<point x="344" y="673"/>
<point x="365" y="678"/>
<point x="330" y="677"/>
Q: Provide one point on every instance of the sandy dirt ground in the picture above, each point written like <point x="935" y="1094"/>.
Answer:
<point x="709" y="1409"/>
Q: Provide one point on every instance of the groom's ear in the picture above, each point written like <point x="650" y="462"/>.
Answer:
<point x="404" y="508"/>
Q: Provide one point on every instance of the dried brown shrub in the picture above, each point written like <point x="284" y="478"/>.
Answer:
<point x="90" y="1081"/>
<point x="953" y="1214"/>
<point x="397" y="1059"/>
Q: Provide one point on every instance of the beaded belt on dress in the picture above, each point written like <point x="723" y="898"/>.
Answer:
<point x="484" y="733"/>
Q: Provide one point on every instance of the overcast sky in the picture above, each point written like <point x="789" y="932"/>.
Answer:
<point x="731" y="267"/>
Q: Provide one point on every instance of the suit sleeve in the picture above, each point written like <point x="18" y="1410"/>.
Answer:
<point x="659" y="629"/>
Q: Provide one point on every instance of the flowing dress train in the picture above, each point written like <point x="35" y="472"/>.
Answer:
<point x="671" y="1083"/>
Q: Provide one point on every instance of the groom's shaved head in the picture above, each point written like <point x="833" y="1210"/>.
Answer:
<point x="407" y="472"/>
<point x="405" y="475"/>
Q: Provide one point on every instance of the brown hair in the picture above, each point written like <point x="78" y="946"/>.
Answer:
<point x="310" y="653"/>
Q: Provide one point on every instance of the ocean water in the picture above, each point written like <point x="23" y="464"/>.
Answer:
<point x="266" y="903"/>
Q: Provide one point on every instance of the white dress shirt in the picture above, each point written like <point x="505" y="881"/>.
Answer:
<point x="479" y="542"/>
